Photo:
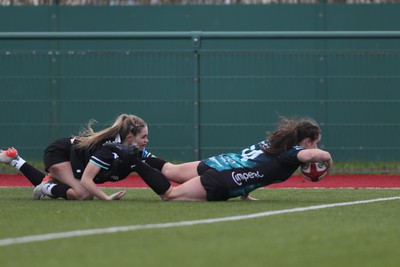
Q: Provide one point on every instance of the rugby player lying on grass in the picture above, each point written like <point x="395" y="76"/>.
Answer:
<point x="219" y="178"/>
<point x="225" y="176"/>
<point x="77" y="165"/>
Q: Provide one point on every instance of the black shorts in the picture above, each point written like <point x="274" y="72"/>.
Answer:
<point x="211" y="179"/>
<point x="225" y="184"/>
<point x="202" y="168"/>
<point x="57" y="152"/>
<point x="214" y="185"/>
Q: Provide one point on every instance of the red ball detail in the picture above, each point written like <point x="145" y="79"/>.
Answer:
<point x="314" y="171"/>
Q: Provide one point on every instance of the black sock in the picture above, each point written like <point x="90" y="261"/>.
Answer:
<point x="34" y="175"/>
<point x="153" y="178"/>
<point x="60" y="190"/>
<point x="156" y="163"/>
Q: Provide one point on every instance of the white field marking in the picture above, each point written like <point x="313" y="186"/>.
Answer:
<point x="117" y="229"/>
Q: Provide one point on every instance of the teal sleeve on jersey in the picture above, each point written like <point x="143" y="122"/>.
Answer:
<point x="147" y="154"/>
<point x="250" y="157"/>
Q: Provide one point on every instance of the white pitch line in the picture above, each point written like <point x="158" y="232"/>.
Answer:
<point x="52" y="236"/>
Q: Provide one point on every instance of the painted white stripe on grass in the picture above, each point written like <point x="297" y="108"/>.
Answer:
<point x="52" y="236"/>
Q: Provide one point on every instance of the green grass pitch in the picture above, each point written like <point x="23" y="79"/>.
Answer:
<point x="357" y="235"/>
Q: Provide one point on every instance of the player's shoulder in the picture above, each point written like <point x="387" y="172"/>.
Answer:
<point x="297" y="148"/>
<point x="147" y="154"/>
<point x="292" y="152"/>
<point x="103" y="152"/>
<point x="263" y="144"/>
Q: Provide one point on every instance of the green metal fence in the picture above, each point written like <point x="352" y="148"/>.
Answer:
<point x="204" y="92"/>
<point x="202" y="85"/>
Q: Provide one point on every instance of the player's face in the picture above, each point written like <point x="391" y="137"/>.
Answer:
<point x="308" y="143"/>
<point x="141" y="138"/>
<point x="314" y="144"/>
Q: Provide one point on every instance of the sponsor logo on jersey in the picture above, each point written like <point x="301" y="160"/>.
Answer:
<point x="238" y="178"/>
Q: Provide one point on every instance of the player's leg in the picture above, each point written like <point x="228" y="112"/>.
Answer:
<point x="38" y="179"/>
<point x="191" y="190"/>
<point x="210" y="186"/>
<point x="180" y="173"/>
<point x="6" y="156"/>
<point x="11" y="156"/>
<point x="63" y="173"/>
<point x="57" y="163"/>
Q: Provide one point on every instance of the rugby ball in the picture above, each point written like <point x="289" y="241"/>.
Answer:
<point x="314" y="171"/>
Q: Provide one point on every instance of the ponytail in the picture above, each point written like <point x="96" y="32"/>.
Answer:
<point x="289" y="133"/>
<point x="125" y="124"/>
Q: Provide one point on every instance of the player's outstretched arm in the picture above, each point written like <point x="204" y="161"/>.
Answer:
<point x="315" y="155"/>
<point x="89" y="174"/>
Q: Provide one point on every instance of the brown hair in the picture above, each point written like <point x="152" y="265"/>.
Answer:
<point x="291" y="132"/>
<point x="123" y="125"/>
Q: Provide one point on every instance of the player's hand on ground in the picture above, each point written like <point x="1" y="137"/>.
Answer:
<point x="118" y="195"/>
<point x="248" y="198"/>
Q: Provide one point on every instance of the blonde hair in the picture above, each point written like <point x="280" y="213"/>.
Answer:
<point x="125" y="124"/>
<point x="290" y="132"/>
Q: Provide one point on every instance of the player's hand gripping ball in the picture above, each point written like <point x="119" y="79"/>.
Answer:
<point x="314" y="171"/>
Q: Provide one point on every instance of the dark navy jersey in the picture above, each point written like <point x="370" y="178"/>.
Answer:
<point x="114" y="165"/>
<point x="243" y="172"/>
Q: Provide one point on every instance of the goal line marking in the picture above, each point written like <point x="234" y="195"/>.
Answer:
<point x="117" y="229"/>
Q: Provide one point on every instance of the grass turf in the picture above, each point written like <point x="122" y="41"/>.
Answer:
<point x="359" y="235"/>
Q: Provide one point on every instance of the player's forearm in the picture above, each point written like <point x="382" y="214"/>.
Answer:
<point x="314" y="155"/>
<point x="93" y="189"/>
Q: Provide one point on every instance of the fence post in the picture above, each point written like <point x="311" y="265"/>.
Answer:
<point x="196" y="95"/>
